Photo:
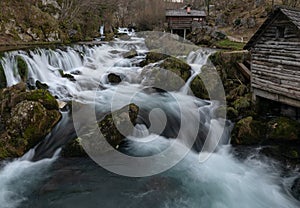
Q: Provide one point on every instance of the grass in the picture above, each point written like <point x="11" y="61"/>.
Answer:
<point x="230" y="45"/>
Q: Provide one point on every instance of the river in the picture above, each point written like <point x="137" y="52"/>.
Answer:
<point x="213" y="178"/>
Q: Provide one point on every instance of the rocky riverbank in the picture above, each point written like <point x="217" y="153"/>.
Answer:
<point x="256" y="124"/>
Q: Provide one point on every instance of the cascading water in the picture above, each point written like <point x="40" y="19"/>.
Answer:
<point x="221" y="181"/>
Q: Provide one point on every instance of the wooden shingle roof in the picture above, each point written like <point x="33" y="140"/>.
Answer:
<point x="183" y="13"/>
<point x="291" y="13"/>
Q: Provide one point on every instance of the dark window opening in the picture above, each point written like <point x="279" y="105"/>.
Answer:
<point x="280" y="32"/>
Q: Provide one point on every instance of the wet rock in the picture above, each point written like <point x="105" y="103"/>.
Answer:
<point x="162" y="79"/>
<point x="283" y="128"/>
<point x="288" y="153"/>
<point x="177" y="66"/>
<point x="26" y="118"/>
<point x="74" y="149"/>
<point x="169" y="74"/>
<point x="22" y="68"/>
<point x="153" y="57"/>
<point x="207" y="85"/>
<point x="76" y="72"/>
<point x="40" y="85"/>
<point x="114" y="78"/>
<point x="125" y="37"/>
<point x="124" y="119"/>
<point x="130" y="54"/>
<point x="198" y="88"/>
<point x="68" y="76"/>
<point x="296" y="189"/>
<point x="3" y="82"/>
<point x="248" y="131"/>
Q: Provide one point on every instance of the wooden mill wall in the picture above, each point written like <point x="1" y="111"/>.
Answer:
<point x="275" y="67"/>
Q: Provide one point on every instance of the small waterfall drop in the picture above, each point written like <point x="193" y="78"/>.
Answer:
<point x="196" y="59"/>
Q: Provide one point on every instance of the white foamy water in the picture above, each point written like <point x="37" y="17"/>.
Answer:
<point x="19" y="177"/>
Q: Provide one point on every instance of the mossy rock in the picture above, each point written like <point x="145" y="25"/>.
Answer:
<point x="130" y="54"/>
<point x="177" y="66"/>
<point x="42" y="96"/>
<point x="282" y="152"/>
<point x="153" y="57"/>
<point x="162" y="79"/>
<point x="22" y="68"/>
<point x="67" y="76"/>
<point x="40" y="85"/>
<point x="283" y="128"/>
<point x="109" y="36"/>
<point x="198" y="88"/>
<point x="208" y="85"/>
<point x="29" y="122"/>
<point x="248" y="131"/>
<point x="74" y="149"/>
<point x="125" y="119"/>
<point x="3" y="82"/>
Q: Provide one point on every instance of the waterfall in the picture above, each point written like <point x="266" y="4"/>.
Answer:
<point x="213" y="178"/>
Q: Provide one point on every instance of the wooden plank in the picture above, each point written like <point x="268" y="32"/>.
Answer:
<point x="277" y="61"/>
<point x="274" y="89"/>
<point x="266" y="85"/>
<point x="245" y="71"/>
<point x="281" y="68"/>
<point x="278" y="73"/>
<point x="275" y="97"/>
<point x="270" y="56"/>
<point x="278" y="53"/>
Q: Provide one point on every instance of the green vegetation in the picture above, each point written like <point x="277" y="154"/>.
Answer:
<point x="22" y="68"/>
<point x="229" y="45"/>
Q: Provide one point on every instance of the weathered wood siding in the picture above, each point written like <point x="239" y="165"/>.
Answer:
<point x="180" y="22"/>
<point x="275" y="65"/>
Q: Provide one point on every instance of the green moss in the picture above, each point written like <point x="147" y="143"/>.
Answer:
<point x="125" y="117"/>
<point x="177" y="66"/>
<point x="230" y="45"/>
<point x="242" y="103"/>
<point x="284" y="129"/>
<point x="153" y="57"/>
<point x="198" y="88"/>
<point x="42" y="96"/>
<point x="109" y="36"/>
<point x="22" y="68"/>
<point x="248" y="131"/>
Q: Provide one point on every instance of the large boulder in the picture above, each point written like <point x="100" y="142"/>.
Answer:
<point x="114" y="127"/>
<point x="130" y="54"/>
<point x="153" y="57"/>
<point x="26" y="118"/>
<point x="119" y="124"/>
<point x="177" y="66"/>
<point x="169" y="73"/>
<point x="207" y="85"/>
